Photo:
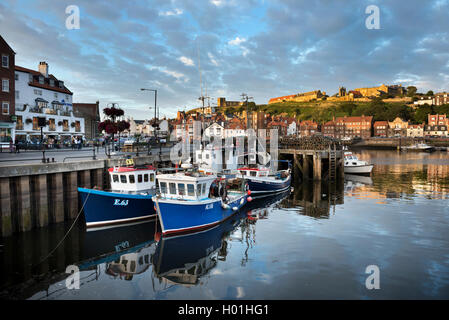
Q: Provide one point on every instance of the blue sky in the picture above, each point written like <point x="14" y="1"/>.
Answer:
<point x="263" y="48"/>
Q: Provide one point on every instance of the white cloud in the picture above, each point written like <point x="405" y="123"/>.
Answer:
<point x="237" y="41"/>
<point x="212" y="59"/>
<point x="186" y="61"/>
<point x="174" y="12"/>
<point x="217" y="3"/>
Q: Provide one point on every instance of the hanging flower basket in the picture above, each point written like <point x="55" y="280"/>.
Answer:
<point x="72" y="124"/>
<point x="59" y="123"/>
<point x="28" y="121"/>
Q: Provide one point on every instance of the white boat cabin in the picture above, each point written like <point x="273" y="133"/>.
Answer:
<point x="254" y="172"/>
<point x="136" y="179"/>
<point x="185" y="186"/>
<point x="213" y="159"/>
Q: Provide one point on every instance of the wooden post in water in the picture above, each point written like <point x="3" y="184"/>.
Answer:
<point x="5" y="208"/>
<point x="71" y="194"/>
<point x="305" y="166"/>
<point x="56" y="198"/>
<point x="316" y="167"/>
<point x="42" y="200"/>
<point x="24" y="203"/>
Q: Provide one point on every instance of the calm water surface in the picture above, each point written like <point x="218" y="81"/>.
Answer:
<point x="313" y="243"/>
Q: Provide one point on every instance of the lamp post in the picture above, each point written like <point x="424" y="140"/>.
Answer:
<point x="156" y="113"/>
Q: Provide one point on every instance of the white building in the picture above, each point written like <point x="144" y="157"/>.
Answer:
<point x="415" y="130"/>
<point x="291" y="129"/>
<point x="40" y="94"/>
<point x="215" y="130"/>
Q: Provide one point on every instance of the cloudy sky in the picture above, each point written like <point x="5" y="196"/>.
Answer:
<point x="265" y="48"/>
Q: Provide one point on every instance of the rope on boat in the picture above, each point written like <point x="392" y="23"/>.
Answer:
<point x="67" y="233"/>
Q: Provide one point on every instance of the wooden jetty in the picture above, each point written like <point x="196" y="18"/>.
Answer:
<point x="314" y="158"/>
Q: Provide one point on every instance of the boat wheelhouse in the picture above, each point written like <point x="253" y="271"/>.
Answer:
<point x="132" y="179"/>
<point x="262" y="182"/>
<point x="193" y="201"/>
<point x="355" y="166"/>
<point x="129" y="199"/>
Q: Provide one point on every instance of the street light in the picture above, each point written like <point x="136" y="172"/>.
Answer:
<point x="155" y="99"/>
<point x="156" y="124"/>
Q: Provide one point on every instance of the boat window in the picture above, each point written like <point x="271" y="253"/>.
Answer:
<point x="145" y="177"/>
<point x="198" y="189"/>
<point x="172" y="187"/>
<point x="253" y="173"/>
<point x="243" y="173"/>
<point x="133" y="266"/>
<point x="147" y="260"/>
<point x="204" y="188"/>
<point x="152" y="177"/>
<point x="115" y="177"/>
<point x="132" y="178"/>
<point x="139" y="178"/>
<point x="140" y="260"/>
<point x="199" y="156"/>
<point x="207" y="156"/>
<point x="191" y="189"/>
<point x="163" y="187"/>
<point x="181" y="189"/>
<point x="123" y="178"/>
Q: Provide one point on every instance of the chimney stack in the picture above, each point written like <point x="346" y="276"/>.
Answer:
<point x="43" y="68"/>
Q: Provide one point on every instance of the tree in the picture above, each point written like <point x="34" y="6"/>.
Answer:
<point x="411" y="91"/>
<point x="429" y="93"/>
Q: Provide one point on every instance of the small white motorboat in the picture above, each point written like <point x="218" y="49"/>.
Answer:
<point x="419" y="147"/>
<point x="355" y="166"/>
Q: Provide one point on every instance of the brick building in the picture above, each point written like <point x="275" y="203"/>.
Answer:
<point x="380" y="129"/>
<point x="441" y="98"/>
<point x="91" y="114"/>
<point x="7" y="94"/>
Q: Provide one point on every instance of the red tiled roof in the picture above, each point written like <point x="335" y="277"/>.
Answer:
<point x="45" y="85"/>
<point x="380" y="123"/>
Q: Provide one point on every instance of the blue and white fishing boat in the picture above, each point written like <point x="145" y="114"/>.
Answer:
<point x="129" y="200"/>
<point x="262" y="182"/>
<point x="192" y="201"/>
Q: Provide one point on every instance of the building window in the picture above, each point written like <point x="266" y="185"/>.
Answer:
<point x="16" y="76"/>
<point x="56" y="95"/>
<point x="52" y="124"/>
<point x="41" y="79"/>
<point x="19" y="123"/>
<point x="5" y="61"/>
<point x="37" y="92"/>
<point x="35" y="123"/>
<point x="17" y="95"/>
<point x="30" y="77"/>
<point x="5" y="85"/>
<point x="5" y="107"/>
<point x="52" y="83"/>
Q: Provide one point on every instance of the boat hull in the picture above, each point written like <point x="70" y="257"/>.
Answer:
<point x="178" y="216"/>
<point x="262" y="187"/>
<point x="105" y="209"/>
<point x="361" y="169"/>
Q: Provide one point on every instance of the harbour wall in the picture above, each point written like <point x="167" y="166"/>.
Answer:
<point x="36" y="195"/>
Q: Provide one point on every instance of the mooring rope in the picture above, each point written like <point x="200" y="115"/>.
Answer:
<point x="67" y="233"/>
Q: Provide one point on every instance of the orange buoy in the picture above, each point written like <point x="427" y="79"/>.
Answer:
<point x="157" y="236"/>
<point x="249" y="192"/>
<point x="249" y="199"/>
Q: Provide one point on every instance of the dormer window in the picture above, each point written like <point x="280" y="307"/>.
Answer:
<point x="61" y="84"/>
<point x="41" y="79"/>
<point x="30" y="77"/>
<point x="52" y="82"/>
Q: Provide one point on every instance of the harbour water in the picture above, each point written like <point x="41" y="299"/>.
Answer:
<point x="313" y="243"/>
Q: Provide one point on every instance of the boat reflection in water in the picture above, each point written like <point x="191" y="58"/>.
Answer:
<point x="185" y="259"/>
<point x="125" y="250"/>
